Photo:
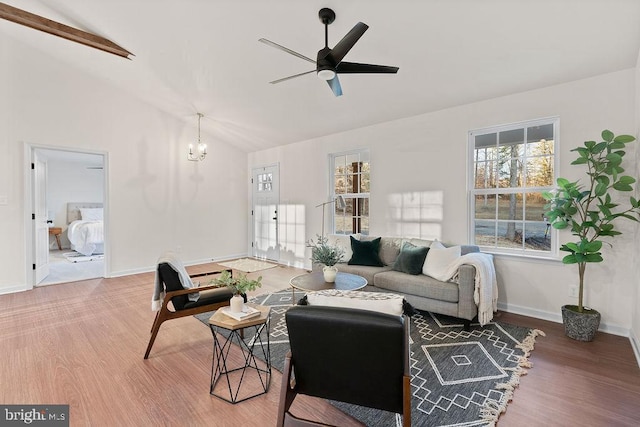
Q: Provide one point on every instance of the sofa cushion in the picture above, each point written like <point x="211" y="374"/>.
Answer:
<point x="411" y="259"/>
<point x="439" y="259"/>
<point x="362" y="270"/>
<point x="374" y="301"/>
<point x="419" y="285"/>
<point x="389" y="248"/>
<point x="419" y="242"/>
<point x="344" y="242"/>
<point x="468" y="249"/>
<point x="365" y="253"/>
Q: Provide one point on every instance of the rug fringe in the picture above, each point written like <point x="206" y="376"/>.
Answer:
<point x="493" y="408"/>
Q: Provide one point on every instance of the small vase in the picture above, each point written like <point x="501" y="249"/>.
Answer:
<point x="237" y="303"/>
<point x="329" y="273"/>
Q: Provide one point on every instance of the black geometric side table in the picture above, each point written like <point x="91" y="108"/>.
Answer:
<point x="236" y="382"/>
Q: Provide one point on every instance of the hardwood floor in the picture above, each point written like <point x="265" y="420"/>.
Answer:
<point x="83" y="343"/>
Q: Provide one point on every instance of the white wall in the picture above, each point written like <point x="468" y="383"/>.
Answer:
<point x="426" y="155"/>
<point x="157" y="200"/>
<point x="70" y="181"/>
<point x="635" y="324"/>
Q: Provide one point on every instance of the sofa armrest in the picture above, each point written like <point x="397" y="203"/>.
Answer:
<point x="467" y="308"/>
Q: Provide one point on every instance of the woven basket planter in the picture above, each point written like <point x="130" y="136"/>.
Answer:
<point x="580" y="326"/>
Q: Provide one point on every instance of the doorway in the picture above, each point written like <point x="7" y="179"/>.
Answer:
<point x="59" y="179"/>
<point x="265" y="184"/>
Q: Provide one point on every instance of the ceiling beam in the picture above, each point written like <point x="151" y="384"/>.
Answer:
<point x="37" y="22"/>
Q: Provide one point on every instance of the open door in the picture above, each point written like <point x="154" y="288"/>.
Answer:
<point x="266" y="199"/>
<point x="39" y="218"/>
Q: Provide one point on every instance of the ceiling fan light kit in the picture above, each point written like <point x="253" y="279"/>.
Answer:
<point x="329" y="60"/>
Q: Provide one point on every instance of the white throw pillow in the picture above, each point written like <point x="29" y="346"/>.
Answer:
<point x="439" y="258"/>
<point x="382" y="302"/>
<point x="92" y="214"/>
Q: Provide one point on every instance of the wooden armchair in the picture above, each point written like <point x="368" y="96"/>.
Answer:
<point x="211" y="298"/>
<point x="349" y="355"/>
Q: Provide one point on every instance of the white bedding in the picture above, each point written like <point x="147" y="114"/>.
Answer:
<point x="86" y="237"/>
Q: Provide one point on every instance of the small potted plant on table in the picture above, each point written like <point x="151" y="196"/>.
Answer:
<point x="239" y="285"/>
<point x="590" y="211"/>
<point x="325" y="254"/>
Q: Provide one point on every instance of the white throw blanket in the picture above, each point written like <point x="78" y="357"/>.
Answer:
<point x="485" y="294"/>
<point x="158" y="290"/>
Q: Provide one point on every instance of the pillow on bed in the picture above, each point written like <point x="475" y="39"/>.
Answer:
<point x="92" y="214"/>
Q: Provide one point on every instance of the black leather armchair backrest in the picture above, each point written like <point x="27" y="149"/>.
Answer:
<point x="354" y="356"/>
<point x="171" y="281"/>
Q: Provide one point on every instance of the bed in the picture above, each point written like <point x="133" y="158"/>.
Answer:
<point x="86" y="227"/>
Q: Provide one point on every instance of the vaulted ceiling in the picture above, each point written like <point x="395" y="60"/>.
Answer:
<point x="204" y="56"/>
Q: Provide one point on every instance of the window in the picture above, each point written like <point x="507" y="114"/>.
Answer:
<point x="265" y="182"/>
<point x="351" y="179"/>
<point x="509" y="168"/>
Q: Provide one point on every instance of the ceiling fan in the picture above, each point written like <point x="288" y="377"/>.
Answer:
<point x="329" y="62"/>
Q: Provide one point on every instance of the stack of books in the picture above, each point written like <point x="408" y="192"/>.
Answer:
<point x="246" y="313"/>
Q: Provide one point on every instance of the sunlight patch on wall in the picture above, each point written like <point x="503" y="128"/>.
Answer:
<point x="416" y="214"/>
<point x="292" y="235"/>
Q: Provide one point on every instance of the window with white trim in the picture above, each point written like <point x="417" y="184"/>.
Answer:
<point x="509" y="169"/>
<point x="351" y="178"/>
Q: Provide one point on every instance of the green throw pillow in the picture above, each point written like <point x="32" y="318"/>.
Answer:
<point x="365" y="253"/>
<point x="411" y="259"/>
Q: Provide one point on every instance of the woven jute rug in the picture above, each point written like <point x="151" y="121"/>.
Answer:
<point x="248" y="265"/>
<point x="458" y="378"/>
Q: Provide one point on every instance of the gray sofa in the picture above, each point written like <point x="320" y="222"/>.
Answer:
<point x="421" y="291"/>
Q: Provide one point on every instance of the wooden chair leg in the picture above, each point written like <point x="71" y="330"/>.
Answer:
<point x="286" y="393"/>
<point x="153" y="325"/>
<point x="154" y="332"/>
<point x="406" y="406"/>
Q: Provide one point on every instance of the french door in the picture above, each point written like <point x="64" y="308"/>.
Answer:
<point x="265" y="183"/>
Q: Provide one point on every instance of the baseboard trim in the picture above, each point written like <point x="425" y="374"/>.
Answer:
<point x="14" y="289"/>
<point x="557" y="318"/>
<point x="635" y="344"/>
<point x="186" y="264"/>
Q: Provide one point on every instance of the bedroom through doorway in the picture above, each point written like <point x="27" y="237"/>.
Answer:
<point x="68" y="200"/>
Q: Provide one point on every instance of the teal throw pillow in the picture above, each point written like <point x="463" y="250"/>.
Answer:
<point x="365" y="253"/>
<point x="411" y="259"/>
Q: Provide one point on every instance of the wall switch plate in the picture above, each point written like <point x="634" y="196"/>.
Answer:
<point x="4" y="200"/>
<point x="573" y="291"/>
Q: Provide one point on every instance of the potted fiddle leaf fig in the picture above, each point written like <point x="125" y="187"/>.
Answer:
<point x="590" y="210"/>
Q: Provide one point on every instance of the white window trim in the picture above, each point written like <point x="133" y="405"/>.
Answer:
<point x="331" y="184"/>
<point x="554" y="253"/>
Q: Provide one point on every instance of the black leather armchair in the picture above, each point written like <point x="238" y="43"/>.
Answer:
<point x="211" y="298"/>
<point x="355" y="356"/>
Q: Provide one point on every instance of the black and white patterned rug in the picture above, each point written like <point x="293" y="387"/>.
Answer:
<point x="458" y="378"/>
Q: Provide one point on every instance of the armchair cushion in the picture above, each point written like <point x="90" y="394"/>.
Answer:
<point x="211" y="296"/>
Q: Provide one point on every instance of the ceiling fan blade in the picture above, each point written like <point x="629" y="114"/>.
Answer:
<point x="353" y="67"/>
<point x="344" y="46"/>
<point x="286" y="49"/>
<point x="292" y="77"/>
<point x="334" y="84"/>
